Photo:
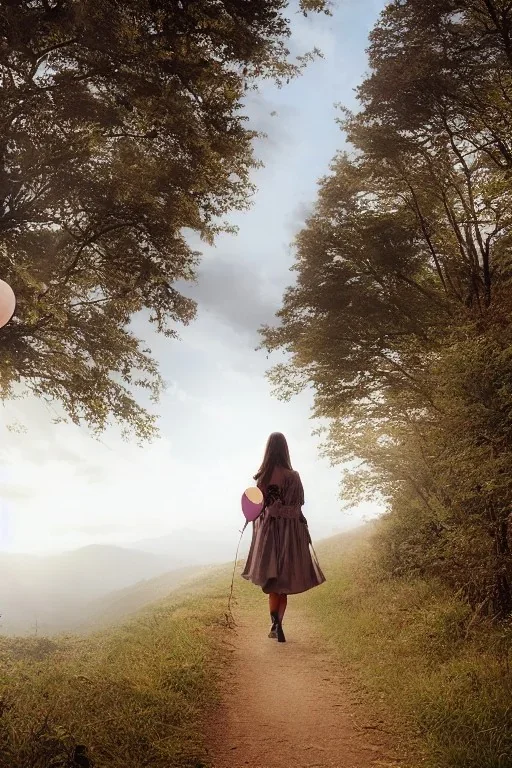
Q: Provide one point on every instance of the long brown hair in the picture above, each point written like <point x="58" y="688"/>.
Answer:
<point x="276" y="455"/>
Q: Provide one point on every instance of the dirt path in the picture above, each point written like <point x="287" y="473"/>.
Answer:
<point x="289" y="705"/>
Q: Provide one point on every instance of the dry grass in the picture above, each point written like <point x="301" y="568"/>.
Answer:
<point x="135" y="695"/>
<point x="444" y="678"/>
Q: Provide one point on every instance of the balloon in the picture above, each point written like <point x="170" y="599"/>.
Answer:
<point x="252" y="503"/>
<point x="7" y="303"/>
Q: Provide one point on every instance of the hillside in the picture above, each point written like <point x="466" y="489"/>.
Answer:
<point x="426" y="682"/>
<point x="132" y="695"/>
<point x="193" y="547"/>
<point x="48" y="593"/>
<point x="440" y="673"/>
<point x="111" y="608"/>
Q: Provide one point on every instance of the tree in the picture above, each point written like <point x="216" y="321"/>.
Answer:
<point x="122" y="129"/>
<point x="400" y="318"/>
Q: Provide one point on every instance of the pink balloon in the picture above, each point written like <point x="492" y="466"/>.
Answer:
<point x="252" y="503"/>
<point x="7" y="303"/>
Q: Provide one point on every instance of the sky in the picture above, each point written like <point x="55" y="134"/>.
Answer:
<point x="62" y="489"/>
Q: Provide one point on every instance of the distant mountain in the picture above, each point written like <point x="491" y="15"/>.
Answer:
<point x="45" y="591"/>
<point x="198" y="547"/>
<point x="119" y="605"/>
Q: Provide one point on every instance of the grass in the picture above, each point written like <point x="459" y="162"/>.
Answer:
<point x="139" y="694"/>
<point x="135" y="695"/>
<point x="444" y="678"/>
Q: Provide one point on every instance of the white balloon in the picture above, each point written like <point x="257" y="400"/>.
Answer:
<point x="7" y="303"/>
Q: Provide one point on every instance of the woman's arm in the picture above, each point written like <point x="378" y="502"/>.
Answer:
<point x="299" y="495"/>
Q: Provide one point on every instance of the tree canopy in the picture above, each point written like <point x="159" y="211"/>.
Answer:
<point x="122" y="129"/>
<point x="401" y="315"/>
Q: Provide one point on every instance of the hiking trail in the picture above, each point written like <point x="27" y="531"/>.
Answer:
<point x="291" y="705"/>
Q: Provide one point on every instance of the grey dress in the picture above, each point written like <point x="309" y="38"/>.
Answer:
<point x="280" y="559"/>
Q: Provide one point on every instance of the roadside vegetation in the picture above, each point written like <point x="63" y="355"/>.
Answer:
<point x="441" y="674"/>
<point x="135" y="694"/>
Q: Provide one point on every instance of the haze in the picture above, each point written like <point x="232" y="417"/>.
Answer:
<point x="176" y="503"/>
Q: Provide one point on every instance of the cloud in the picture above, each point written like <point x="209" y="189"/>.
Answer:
<point x="270" y="117"/>
<point x="12" y="491"/>
<point x="297" y="217"/>
<point x="314" y="31"/>
<point x="237" y="293"/>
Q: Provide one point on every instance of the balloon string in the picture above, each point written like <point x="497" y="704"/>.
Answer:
<point x="229" y="616"/>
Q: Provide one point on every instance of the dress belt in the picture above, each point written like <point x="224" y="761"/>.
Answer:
<point x="280" y="510"/>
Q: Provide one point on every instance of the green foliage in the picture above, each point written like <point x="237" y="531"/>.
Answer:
<point x="401" y="316"/>
<point x="122" y="130"/>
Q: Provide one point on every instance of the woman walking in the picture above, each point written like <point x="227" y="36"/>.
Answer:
<point x="279" y="559"/>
